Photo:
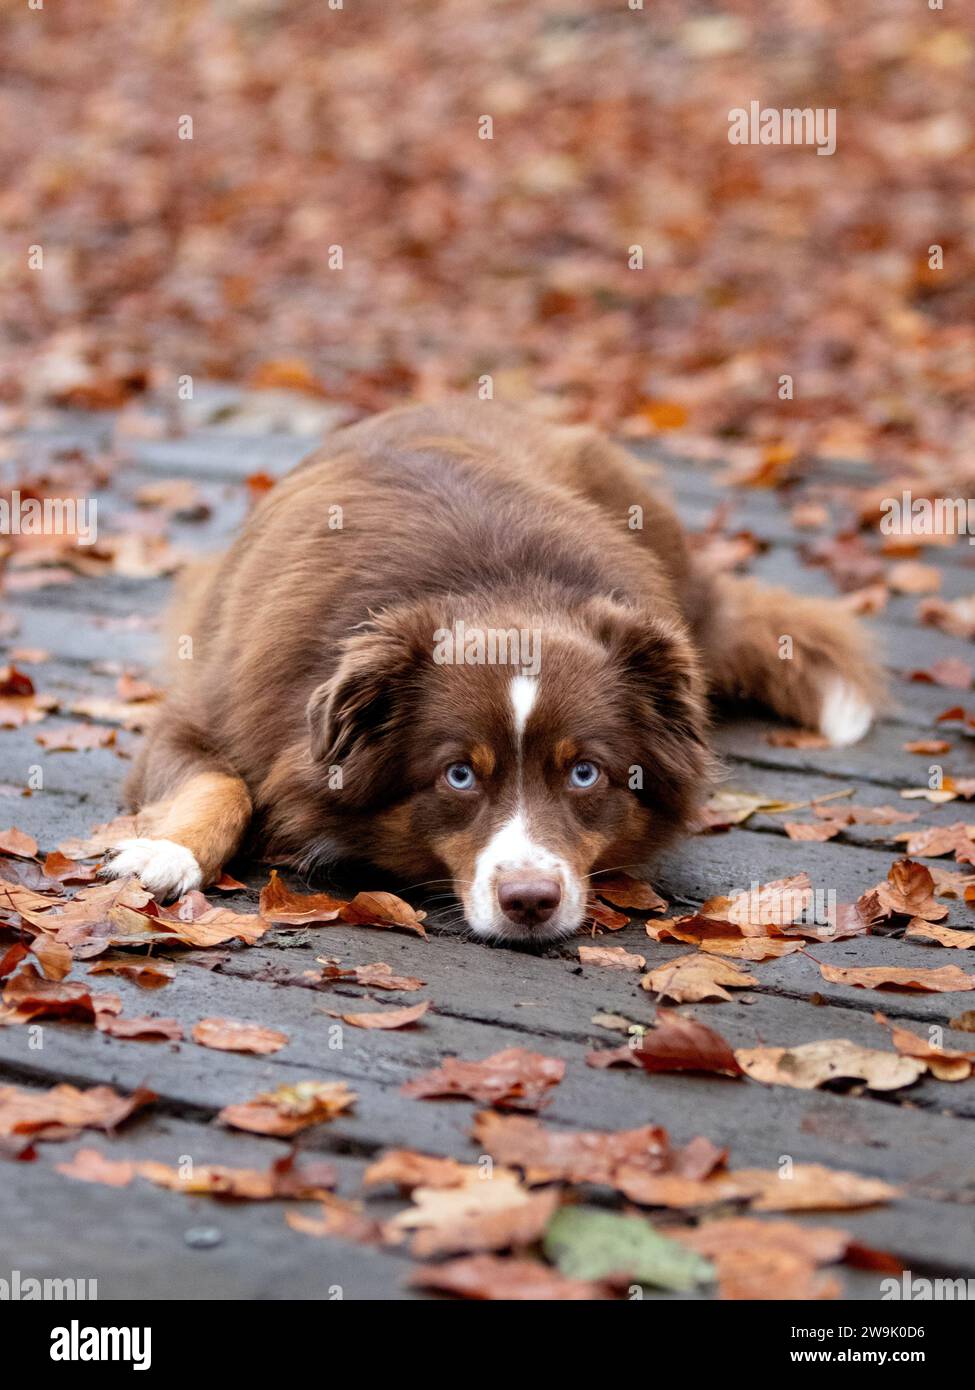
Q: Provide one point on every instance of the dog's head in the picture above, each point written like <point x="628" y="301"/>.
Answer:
<point x="518" y="757"/>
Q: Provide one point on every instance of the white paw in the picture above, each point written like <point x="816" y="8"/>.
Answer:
<point x="167" y="869"/>
<point x="845" y="716"/>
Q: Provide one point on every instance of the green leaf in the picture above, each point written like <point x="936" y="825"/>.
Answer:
<point x="585" y="1243"/>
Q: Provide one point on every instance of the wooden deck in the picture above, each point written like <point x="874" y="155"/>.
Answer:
<point x="145" y="1241"/>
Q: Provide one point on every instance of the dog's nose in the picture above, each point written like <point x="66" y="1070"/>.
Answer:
<point x="529" y="901"/>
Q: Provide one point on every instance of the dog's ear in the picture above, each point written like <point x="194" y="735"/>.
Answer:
<point x="356" y="716"/>
<point x="658" y="673"/>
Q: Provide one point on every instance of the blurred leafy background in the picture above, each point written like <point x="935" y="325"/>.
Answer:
<point x="357" y="127"/>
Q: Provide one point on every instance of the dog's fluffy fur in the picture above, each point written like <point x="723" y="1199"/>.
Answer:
<point x="315" y="712"/>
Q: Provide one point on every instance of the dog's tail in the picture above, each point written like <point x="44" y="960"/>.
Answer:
<point x="807" y="659"/>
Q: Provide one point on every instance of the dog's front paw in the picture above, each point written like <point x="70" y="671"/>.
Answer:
<point x="845" y="714"/>
<point x="167" y="869"/>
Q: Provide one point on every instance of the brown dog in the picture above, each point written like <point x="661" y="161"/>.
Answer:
<point x="463" y="646"/>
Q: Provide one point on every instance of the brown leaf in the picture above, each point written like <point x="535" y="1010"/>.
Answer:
<point x="603" y="916"/>
<point x="812" y="830"/>
<point x="930" y="747"/>
<point x="229" y="1035"/>
<point x="76" y="738"/>
<point x="946" y="1064"/>
<point x="63" y="1110"/>
<point x="689" y="979"/>
<point x="376" y="976"/>
<point x="279" y="904"/>
<point x="911" y="577"/>
<point x="88" y="1165"/>
<point x="54" y="956"/>
<point x="623" y="891"/>
<point x="283" y="1179"/>
<point x="28" y="995"/>
<point x="18" y="844"/>
<point x="386" y="1018"/>
<point x="804" y="1187"/>
<point x="950" y="671"/>
<point x="755" y="948"/>
<point x="508" y="1278"/>
<point x="494" y="1212"/>
<point x="338" y="1220"/>
<point x="945" y="936"/>
<point x="552" y="1155"/>
<point x="512" y="1079"/>
<point x="290" y="1109"/>
<point x="678" y="1043"/>
<point x="382" y="910"/>
<point x="814" y="1064"/>
<point x="614" y="957"/>
<point x="946" y="979"/>
<point x="144" y="1029"/>
<point x="147" y="973"/>
<point x="406" y="1170"/>
<point x="65" y="870"/>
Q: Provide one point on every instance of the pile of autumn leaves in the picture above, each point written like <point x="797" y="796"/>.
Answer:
<point x="479" y="1220"/>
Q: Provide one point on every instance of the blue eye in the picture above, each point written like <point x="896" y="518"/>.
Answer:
<point x="460" y="776"/>
<point x="584" y="775"/>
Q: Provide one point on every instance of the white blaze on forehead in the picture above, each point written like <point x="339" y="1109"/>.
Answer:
<point x="512" y="849"/>
<point x="523" y="690"/>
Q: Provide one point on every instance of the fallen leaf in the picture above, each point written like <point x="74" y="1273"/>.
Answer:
<point x="229" y="1035"/>
<point x="280" y="904"/>
<point x="946" y="1064"/>
<point x="282" y="1180"/>
<point x="338" y="1220"/>
<point x="689" y="979"/>
<point x="54" y="957"/>
<point x="382" y="910"/>
<point x="678" y="1043"/>
<point x="490" y="1212"/>
<point x="144" y="1029"/>
<point x="803" y="1187"/>
<point x="814" y="1064"/>
<point x="88" y="1165"/>
<point x="586" y="1243"/>
<point x="946" y="979"/>
<point x="506" y="1278"/>
<point x="147" y="974"/>
<point x="945" y="936"/>
<point x="950" y="672"/>
<point x="796" y="738"/>
<point x="614" y="957"/>
<point x="65" y="870"/>
<point x="553" y="1155"/>
<point x="930" y="747"/>
<point x="76" y="738"/>
<point x="18" y="844"/>
<point x="812" y="830"/>
<point x="623" y="891"/>
<point x="406" y="1170"/>
<point x="911" y="577"/>
<point x="62" y="1111"/>
<point x="386" y="1018"/>
<point x="512" y="1079"/>
<point x="290" y="1109"/>
<point x="376" y="976"/>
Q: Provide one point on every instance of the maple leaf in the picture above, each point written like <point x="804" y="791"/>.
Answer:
<point x="512" y="1079"/>
<point x="689" y="979"/>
